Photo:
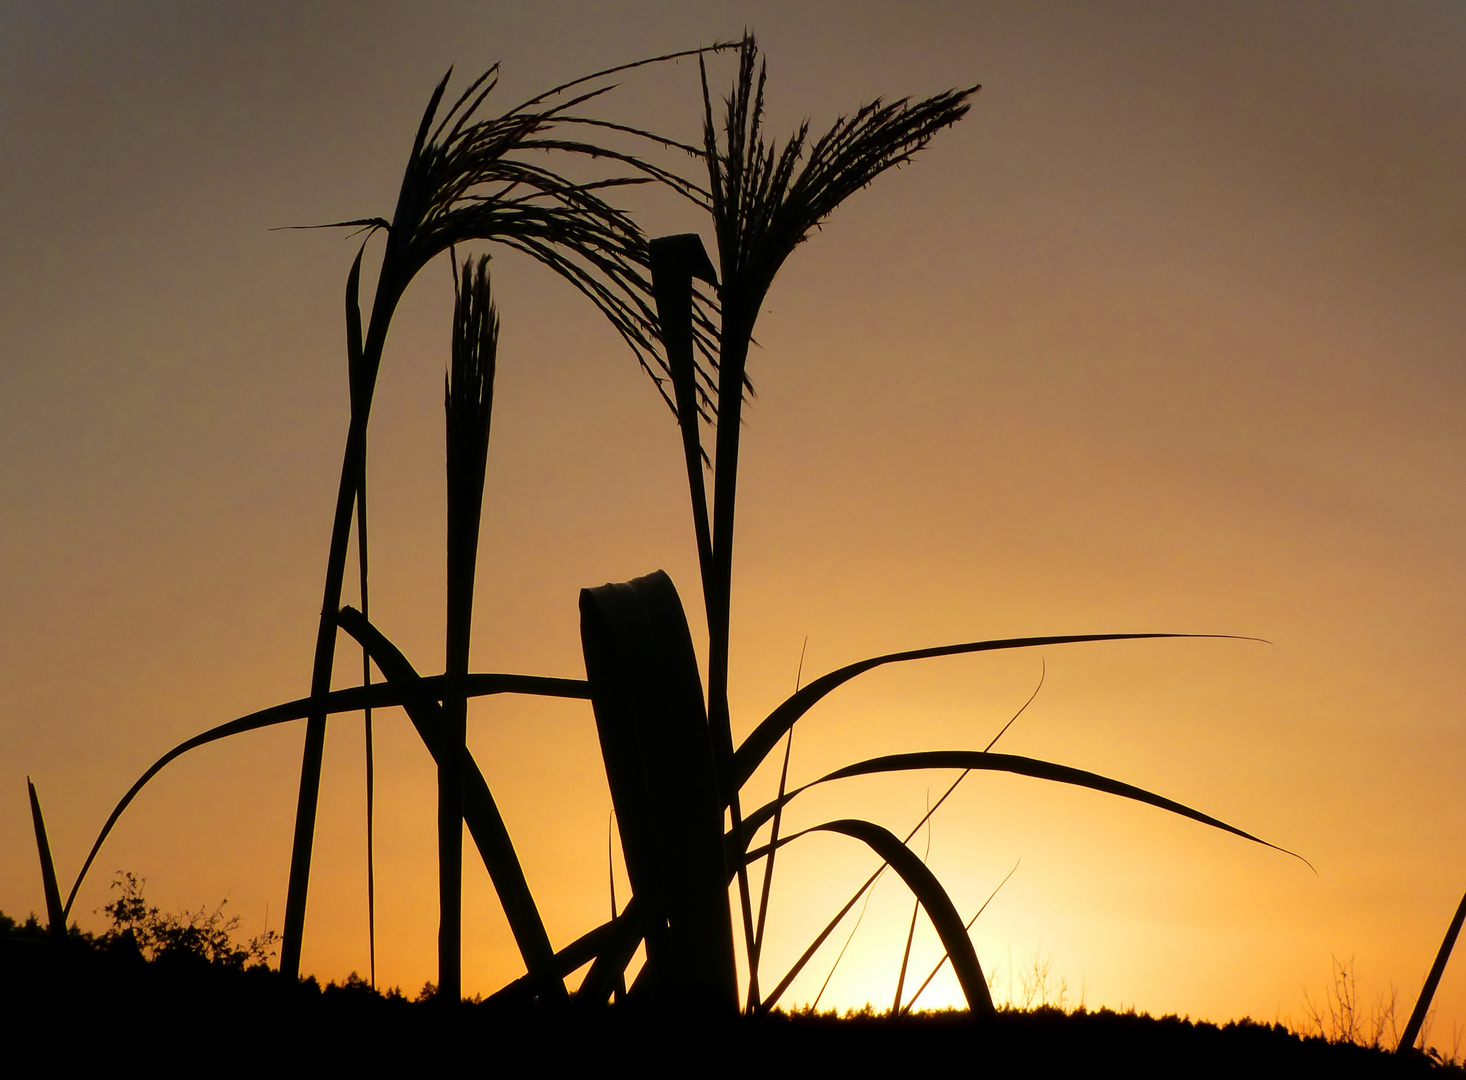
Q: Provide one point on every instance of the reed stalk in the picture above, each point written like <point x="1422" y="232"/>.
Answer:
<point x="371" y="766"/>
<point x="468" y="401"/>
<point x="469" y="178"/>
<point x="764" y="202"/>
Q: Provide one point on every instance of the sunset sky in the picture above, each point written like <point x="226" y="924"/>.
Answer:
<point x="1167" y="335"/>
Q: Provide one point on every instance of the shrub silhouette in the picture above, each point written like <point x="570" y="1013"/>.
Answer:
<point x="201" y="935"/>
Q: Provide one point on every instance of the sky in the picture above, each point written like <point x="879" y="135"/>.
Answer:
<point x="1166" y="335"/>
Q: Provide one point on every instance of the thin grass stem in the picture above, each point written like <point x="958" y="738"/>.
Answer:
<point x="371" y="772"/>
<point x="942" y="962"/>
<point x="911" y="930"/>
<point x="809" y="952"/>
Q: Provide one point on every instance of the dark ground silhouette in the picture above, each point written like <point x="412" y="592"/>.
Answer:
<point x="99" y="998"/>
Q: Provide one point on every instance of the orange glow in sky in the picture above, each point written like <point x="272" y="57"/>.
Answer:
<point x="1166" y="335"/>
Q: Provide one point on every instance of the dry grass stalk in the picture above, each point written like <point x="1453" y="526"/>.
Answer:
<point x="764" y="202"/>
<point x="469" y="178"/>
<point x="468" y="401"/>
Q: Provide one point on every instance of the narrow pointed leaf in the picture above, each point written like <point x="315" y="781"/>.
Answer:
<point x="353" y="323"/>
<point x="978" y="760"/>
<point x="767" y="735"/>
<point x="55" y="914"/>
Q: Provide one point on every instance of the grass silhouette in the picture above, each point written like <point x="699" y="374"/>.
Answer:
<point x="675" y="775"/>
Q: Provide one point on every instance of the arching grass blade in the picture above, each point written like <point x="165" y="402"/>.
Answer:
<point x="978" y="760"/>
<point x="768" y="733"/>
<point x="353" y="699"/>
<point x="933" y="898"/>
<point x="943" y="961"/>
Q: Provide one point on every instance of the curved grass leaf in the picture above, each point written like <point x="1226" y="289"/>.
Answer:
<point x="978" y="760"/>
<point x="353" y="699"/>
<point x="767" y="735"/>
<point x="943" y="961"/>
<point x="933" y="898"/>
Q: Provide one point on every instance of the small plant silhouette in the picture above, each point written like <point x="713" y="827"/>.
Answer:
<point x="199" y="935"/>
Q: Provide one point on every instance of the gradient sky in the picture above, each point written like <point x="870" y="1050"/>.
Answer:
<point x="1167" y="335"/>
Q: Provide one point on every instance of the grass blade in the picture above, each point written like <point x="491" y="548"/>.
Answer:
<point x="1427" y="992"/>
<point x="768" y="733"/>
<point x="905" y="959"/>
<point x="618" y="990"/>
<point x="675" y="261"/>
<point x="867" y="891"/>
<point x="55" y="914"/>
<point x="870" y="881"/>
<point x="978" y="760"/>
<point x="608" y="937"/>
<point x="614" y="951"/>
<point x="353" y="699"/>
<point x="354" y="373"/>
